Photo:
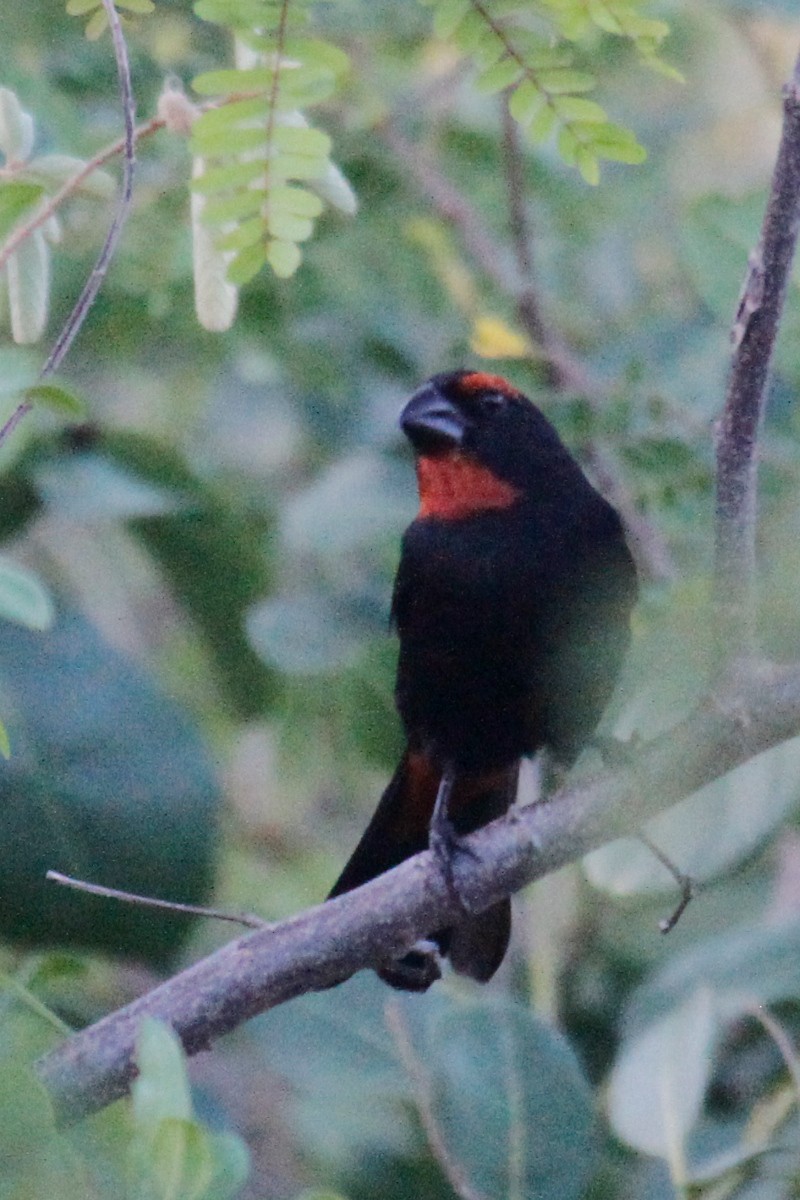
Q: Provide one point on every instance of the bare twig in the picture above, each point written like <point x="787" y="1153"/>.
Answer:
<point x="421" y="1086"/>
<point x="687" y="886"/>
<point x="754" y="333"/>
<point x="94" y="283"/>
<point x="95" y="280"/>
<point x="42" y="215"/>
<point x="381" y="920"/>
<point x="196" y="910"/>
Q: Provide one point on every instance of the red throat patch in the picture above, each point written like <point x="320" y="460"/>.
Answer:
<point x="452" y="486"/>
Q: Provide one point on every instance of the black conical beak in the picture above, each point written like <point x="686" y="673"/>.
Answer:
<point x="431" y="422"/>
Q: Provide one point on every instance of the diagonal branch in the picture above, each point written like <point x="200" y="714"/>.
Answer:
<point x="324" y="945"/>
<point x="754" y="333"/>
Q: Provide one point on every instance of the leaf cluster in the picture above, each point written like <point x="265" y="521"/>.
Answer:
<point x="526" y="50"/>
<point x="260" y="159"/>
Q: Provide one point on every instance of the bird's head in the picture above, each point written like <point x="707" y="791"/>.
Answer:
<point x="479" y="443"/>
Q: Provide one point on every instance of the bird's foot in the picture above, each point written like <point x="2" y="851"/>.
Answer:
<point x="448" y="845"/>
<point x="416" y="970"/>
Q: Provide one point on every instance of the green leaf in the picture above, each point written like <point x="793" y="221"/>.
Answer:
<point x="301" y="140"/>
<point x="302" y="634"/>
<point x="247" y="263"/>
<point x="709" y="833"/>
<point x="604" y="18"/>
<point x="28" y="273"/>
<point x="227" y="115"/>
<point x="180" y="1162"/>
<point x="16" y="198"/>
<point x="245" y="203"/>
<point x="510" y="1102"/>
<point x="221" y="83"/>
<point x="472" y="30"/>
<point x="447" y="17"/>
<point x="110" y="782"/>
<point x="526" y="102"/>
<point x="295" y="200"/>
<point x="231" y="1166"/>
<point x="291" y="166"/>
<point x="5" y="742"/>
<point x="53" y="170"/>
<point x="284" y="257"/>
<point x="565" y="80"/>
<point x="577" y="108"/>
<point x="96" y="25"/>
<point x="661" y="1076"/>
<point x="57" y="398"/>
<point x="542" y="124"/>
<point x="161" y="1089"/>
<point x="16" y="130"/>
<point x="313" y="52"/>
<point x="588" y="165"/>
<point x="244" y="235"/>
<point x="91" y="487"/>
<point x="140" y="7"/>
<point x="225" y="179"/>
<point x="211" y="142"/>
<point x="500" y="76"/>
<point x="752" y="964"/>
<point x="79" y="8"/>
<point x="287" y="227"/>
<point x="23" y="599"/>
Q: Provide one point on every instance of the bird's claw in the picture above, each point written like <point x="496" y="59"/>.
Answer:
<point x="446" y="844"/>
<point x="416" y="970"/>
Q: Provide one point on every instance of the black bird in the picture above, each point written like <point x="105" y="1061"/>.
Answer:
<point x="512" y="603"/>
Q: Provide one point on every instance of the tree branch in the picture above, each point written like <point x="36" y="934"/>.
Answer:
<point x="754" y="332"/>
<point x="325" y="945"/>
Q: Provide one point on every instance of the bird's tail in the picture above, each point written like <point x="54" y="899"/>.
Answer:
<point x="400" y="828"/>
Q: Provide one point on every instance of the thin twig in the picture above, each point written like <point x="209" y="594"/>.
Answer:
<point x="93" y="284"/>
<point x="687" y="886"/>
<point x="95" y="280"/>
<point x="754" y="333"/>
<point x="42" y="215"/>
<point x="197" y="910"/>
<point x="379" y="922"/>
<point x="421" y="1087"/>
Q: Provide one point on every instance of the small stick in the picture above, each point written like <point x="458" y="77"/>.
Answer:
<point x="685" y="883"/>
<point x="198" y="910"/>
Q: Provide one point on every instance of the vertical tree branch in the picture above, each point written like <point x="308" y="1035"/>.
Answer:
<point x="753" y="335"/>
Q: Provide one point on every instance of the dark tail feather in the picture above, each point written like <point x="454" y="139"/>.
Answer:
<point x="395" y="833"/>
<point x="399" y="829"/>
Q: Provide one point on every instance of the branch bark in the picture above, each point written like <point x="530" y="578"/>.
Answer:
<point x="324" y="945"/>
<point x="754" y="332"/>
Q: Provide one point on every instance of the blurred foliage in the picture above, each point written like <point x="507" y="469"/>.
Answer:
<point x="215" y="544"/>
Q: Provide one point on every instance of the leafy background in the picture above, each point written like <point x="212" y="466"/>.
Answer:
<point x="211" y="707"/>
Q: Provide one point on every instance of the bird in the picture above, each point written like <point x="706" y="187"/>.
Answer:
<point x="512" y="604"/>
